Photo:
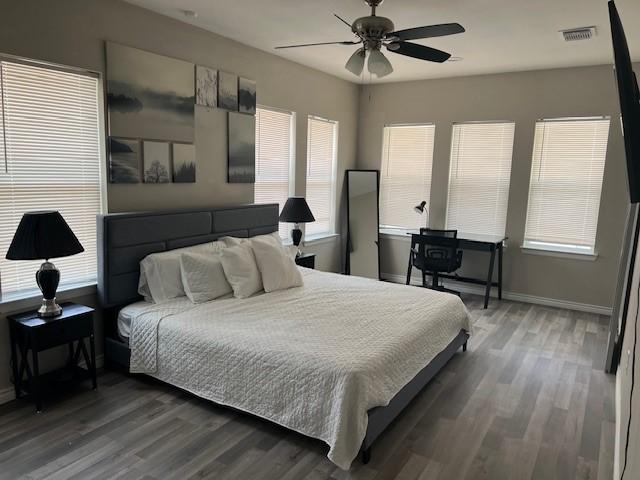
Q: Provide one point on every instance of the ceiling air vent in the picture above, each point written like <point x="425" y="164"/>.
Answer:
<point x="575" y="34"/>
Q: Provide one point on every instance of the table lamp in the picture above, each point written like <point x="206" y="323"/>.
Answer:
<point x="41" y="236"/>
<point x="422" y="208"/>
<point x="296" y="211"/>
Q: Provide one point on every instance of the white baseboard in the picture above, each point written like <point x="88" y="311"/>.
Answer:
<point x="516" y="297"/>
<point x="8" y="394"/>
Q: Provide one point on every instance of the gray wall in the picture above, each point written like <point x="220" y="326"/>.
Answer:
<point x="72" y="32"/>
<point x="523" y="98"/>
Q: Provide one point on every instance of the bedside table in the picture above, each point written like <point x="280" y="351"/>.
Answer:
<point x="31" y="334"/>
<point x="307" y="260"/>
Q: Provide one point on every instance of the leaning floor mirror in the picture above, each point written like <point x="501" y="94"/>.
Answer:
<point x="363" y="255"/>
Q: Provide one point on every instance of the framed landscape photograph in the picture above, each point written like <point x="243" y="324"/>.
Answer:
<point x="184" y="163"/>
<point x="206" y="86"/>
<point x="242" y="148"/>
<point x="157" y="162"/>
<point x="228" y="91"/>
<point x="246" y="96"/>
<point x="149" y="95"/>
<point x="124" y="160"/>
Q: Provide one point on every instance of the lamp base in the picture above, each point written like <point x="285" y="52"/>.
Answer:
<point x="48" y="278"/>
<point x="49" y="308"/>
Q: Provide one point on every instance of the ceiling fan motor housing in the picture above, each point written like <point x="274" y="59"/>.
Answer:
<point x="372" y="29"/>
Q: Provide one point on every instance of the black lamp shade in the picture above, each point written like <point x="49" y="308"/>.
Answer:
<point x="41" y="236"/>
<point x="296" y="210"/>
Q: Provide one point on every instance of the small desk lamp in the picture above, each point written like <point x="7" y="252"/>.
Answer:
<point x="422" y="208"/>
<point x="41" y="236"/>
<point x="297" y="211"/>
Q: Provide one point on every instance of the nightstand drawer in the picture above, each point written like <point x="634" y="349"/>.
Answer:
<point x="58" y="333"/>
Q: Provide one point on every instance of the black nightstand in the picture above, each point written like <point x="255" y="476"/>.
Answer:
<point x="307" y="260"/>
<point x="31" y="333"/>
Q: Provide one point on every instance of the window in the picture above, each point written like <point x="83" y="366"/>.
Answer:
<point x="52" y="142"/>
<point x="274" y="158"/>
<point x="479" y="175"/>
<point x="566" y="180"/>
<point x="405" y="180"/>
<point x="322" y="147"/>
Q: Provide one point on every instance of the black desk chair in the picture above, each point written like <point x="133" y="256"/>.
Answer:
<point x="433" y="254"/>
<point x="439" y="233"/>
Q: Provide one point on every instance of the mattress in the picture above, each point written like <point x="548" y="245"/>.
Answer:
<point x="314" y="359"/>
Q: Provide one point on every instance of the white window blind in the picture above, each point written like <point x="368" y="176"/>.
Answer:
<point x="566" y="181"/>
<point x="479" y="176"/>
<point x="322" y="146"/>
<point x="405" y="180"/>
<point x="274" y="154"/>
<point x="53" y="163"/>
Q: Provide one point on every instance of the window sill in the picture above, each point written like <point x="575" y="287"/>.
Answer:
<point x="30" y="299"/>
<point x="396" y="233"/>
<point x="558" y="253"/>
<point x="320" y="238"/>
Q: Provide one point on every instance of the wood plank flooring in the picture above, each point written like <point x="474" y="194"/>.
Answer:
<point x="528" y="400"/>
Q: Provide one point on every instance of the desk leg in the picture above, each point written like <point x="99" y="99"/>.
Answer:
<point x="500" y="249"/>
<point x="409" y="270"/>
<point x="489" y="278"/>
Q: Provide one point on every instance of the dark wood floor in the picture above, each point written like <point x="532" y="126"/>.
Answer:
<point x="529" y="400"/>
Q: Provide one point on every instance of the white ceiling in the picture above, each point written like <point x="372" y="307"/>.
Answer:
<point x="501" y="36"/>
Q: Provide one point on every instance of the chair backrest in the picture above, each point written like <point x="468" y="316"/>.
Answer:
<point x="440" y="233"/>
<point x="435" y="252"/>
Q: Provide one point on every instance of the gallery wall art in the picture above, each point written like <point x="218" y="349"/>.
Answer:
<point x="206" y="86"/>
<point x="228" y="91"/>
<point x="149" y="95"/>
<point x="246" y="96"/>
<point x="184" y="163"/>
<point x="151" y="103"/>
<point x="241" y="166"/>
<point x="124" y="160"/>
<point x="157" y="162"/>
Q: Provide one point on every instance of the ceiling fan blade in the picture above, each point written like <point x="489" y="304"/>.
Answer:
<point x="342" y="20"/>
<point x="419" y="51"/>
<point x="428" y="31"/>
<point x="315" y="44"/>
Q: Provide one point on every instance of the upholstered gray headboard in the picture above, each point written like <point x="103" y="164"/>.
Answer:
<point x="126" y="238"/>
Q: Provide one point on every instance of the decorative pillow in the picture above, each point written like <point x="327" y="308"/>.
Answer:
<point x="233" y="241"/>
<point x="203" y="277"/>
<point x="279" y="271"/>
<point x="162" y="271"/>
<point x="240" y="268"/>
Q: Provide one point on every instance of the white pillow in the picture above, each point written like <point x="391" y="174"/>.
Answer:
<point x="233" y="241"/>
<point x="203" y="277"/>
<point x="162" y="271"/>
<point x="241" y="270"/>
<point x="279" y="271"/>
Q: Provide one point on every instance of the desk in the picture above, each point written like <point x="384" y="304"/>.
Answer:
<point x="494" y="244"/>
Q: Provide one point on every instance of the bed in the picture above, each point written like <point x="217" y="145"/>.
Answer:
<point x="337" y="359"/>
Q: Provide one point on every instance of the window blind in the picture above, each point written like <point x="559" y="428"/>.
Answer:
<point x="274" y="154"/>
<point x="479" y="176"/>
<point x="405" y="180"/>
<point x="53" y="159"/>
<point x="321" y="163"/>
<point x="566" y="181"/>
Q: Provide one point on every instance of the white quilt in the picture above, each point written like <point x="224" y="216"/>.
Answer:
<point x="313" y="359"/>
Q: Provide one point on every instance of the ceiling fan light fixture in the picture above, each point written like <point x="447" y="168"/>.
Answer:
<point x="378" y="64"/>
<point x="355" y="64"/>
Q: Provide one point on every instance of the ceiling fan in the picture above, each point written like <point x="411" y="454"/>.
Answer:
<point x="375" y="32"/>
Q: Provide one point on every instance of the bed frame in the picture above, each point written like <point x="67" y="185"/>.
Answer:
<point x="126" y="238"/>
